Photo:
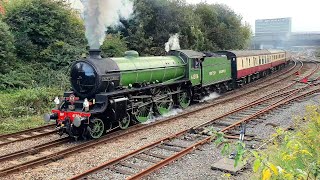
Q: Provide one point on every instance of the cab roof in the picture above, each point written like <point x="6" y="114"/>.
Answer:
<point x="191" y="53"/>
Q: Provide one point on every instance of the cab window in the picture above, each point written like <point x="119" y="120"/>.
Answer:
<point x="183" y="57"/>
<point x="196" y="63"/>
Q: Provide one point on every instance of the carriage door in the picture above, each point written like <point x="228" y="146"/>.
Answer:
<point x="195" y="71"/>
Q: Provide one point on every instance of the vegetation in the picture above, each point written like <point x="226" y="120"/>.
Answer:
<point x="295" y="155"/>
<point x="13" y="124"/>
<point x="114" y="46"/>
<point x="202" y="27"/>
<point x="290" y="155"/>
<point x="7" y="48"/>
<point x="23" y="109"/>
<point x="48" y="36"/>
<point x="26" y="102"/>
<point x="45" y="30"/>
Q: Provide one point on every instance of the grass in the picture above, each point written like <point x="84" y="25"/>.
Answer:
<point x="23" y="109"/>
<point x="11" y="124"/>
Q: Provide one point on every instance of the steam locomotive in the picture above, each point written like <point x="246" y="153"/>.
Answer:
<point x="109" y="93"/>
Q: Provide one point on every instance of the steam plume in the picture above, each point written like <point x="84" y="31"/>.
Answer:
<point x="100" y="14"/>
<point x="173" y="43"/>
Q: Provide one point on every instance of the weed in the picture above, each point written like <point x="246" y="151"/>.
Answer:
<point x="292" y="155"/>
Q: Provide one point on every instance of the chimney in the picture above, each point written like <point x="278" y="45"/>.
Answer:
<point x="95" y="53"/>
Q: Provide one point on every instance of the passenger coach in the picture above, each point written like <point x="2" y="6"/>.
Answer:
<point x="254" y="64"/>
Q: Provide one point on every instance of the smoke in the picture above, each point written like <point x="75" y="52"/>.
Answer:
<point x="173" y="43"/>
<point x="210" y="97"/>
<point x="101" y="14"/>
<point x="173" y="112"/>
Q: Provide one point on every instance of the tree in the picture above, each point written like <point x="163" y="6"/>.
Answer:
<point x="222" y="27"/>
<point x="43" y="26"/>
<point x="114" y="46"/>
<point x="202" y="27"/>
<point x="153" y="23"/>
<point x="7" y="56"/>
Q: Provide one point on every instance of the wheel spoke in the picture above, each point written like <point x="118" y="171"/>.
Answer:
<point x="164" y="101"/>
<point x="143" y="113"/>
<point x="184" y="98"/>
<point x="125" y="122"/>
<point x="97" y="129"/>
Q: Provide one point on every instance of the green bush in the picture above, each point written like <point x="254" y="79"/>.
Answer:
<point x="33" y="76"/>
<point x="23" y="102"/>
<point x="46" y="31"/>
<point x="295" y="155"/>
<point x="7" y="49"/>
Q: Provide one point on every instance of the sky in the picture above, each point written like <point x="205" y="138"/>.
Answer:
<point x="305" y="14"/>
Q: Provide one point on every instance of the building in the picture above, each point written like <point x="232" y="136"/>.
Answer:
<point x="272" y="33"/>
<point x="279" y="26"/>
<point x="276" y="33"/>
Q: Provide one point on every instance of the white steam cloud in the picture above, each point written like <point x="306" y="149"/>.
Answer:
<point x="210" y="97"/>
<point x="100" y="14"/>
<point x="173" y="112"/>
<point x="173" y="43"/>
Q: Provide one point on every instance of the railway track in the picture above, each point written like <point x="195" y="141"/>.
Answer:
<point x="27" y="134"/>
<point x="66" y="152"/>
<point x="161" y="153"/>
